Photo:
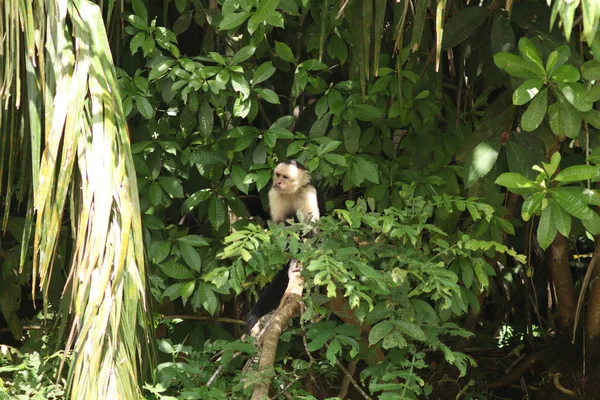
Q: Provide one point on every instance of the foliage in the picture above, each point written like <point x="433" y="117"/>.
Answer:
<point x="412" y="123"/>
<point x="31" y="375"/>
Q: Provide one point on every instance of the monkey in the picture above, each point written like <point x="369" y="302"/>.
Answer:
<point x="291" y="192"/>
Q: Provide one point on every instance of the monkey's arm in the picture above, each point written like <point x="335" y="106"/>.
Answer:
<point x="311" y="203"/>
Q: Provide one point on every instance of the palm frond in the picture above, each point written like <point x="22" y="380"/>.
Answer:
<point x="83" y="172"/>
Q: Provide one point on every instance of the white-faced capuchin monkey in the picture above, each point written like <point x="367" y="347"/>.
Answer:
<point x="291" y="192"/>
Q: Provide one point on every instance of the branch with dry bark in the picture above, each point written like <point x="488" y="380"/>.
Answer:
<point x="289" y="306"/>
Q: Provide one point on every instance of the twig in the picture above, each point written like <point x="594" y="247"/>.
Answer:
<point x="346" y="382"/>
<point x="352" y="380"/>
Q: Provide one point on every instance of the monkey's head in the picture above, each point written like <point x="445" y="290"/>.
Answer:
<point x="289" y="176"/>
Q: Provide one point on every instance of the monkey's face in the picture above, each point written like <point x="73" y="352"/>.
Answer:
<point x="285" y="178"/>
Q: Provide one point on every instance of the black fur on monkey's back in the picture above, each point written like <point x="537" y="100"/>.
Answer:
<point x="272" y="294"/>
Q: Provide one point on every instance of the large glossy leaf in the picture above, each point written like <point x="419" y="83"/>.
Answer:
<point x="560" y="218"/>
<point x="531" y="205"/>
<point x="480" y="161"/>
<point x="516" y="66"/>
<point x="577" y="173"/>
<point x="517" y="183"/>
<point x="546" y="230"/>
<point x="572" y="203"/>
<point x="462" y="25"/>
<point x="535" y="113"/>
<point x="527" y="91"/>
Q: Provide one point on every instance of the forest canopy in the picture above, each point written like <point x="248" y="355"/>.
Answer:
<point x="454" y="145"/>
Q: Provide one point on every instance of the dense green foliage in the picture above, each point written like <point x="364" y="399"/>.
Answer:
<point x="413" y="137"/>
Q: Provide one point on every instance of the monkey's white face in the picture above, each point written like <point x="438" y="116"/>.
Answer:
<point x="287" y="179"/>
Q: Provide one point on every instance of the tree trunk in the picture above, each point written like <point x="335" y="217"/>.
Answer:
<point x="592" y="318"/>
<point x="558" y="261"/>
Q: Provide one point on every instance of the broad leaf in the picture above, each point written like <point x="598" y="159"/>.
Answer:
<point x="546" y="230"/>
<point x="462" y="25"/>
<point x="572" y="203"/>
<point x="535" y="113"/>
<point x="531" y="205"/>
<point x="561" y="219"/>
<point x="577" y="173"/>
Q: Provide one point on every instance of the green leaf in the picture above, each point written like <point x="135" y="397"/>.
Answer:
<point x="593" y="94"/>
<point x="591" y="70"/>
<point x="368" y="169"/>
<point x="139" y="9"/>
<point x="265" y="9"/>
<point x="144" y="107"/>
<point x="242" y="55"/>
<point x="527" y="91"/>
<point x="193" y="240"/>
<point x="534" y="115"/>
<point x="217" y="212"/>
<point x="233" y="20"/>
<point x="531" y="205"/>
<point x="564" y="119"/>
<point x="553" y="165"/>
<point x="175" y="270"/>
<point x="300" y="81"/>
<point x="566" y="73"/>
<point x="462" y="25"/>
<point x="592" y="225"/>
<point x="190" y="256"/>
<point x="515" y="66"/>
<point x="268" y="95"/>
<point x="592" y="117"/>
<point x="562" y="220"/>
<point x="379" y="331"/>
<point x="284" y="52"/>
<point x="572" y="203"/>
<point x="262" y="73"/>
<point x="516" y="183"/>
<point x="351" y="133"/>
<point x="171" y="185"/>
<point x="205" y="117"/>
<point x="319" y="127"/>
<point x="182" y="23"/>
<point x="503" y="36"/>
<point x="577" y="173"/>
<point x="480" y="161"/>
<point x="575" y="94"/>
<point x="136" y="42"/>
<point x="365" y="112"/>
<point x="530" y="54"/>
<point x="546" y="230"/>
<point x="240" y="84"/>
<point x="238" y="176"/>
<point x="557" y="58"/>
<point x="155" y="194"/>
<point x="208" y="299"/>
